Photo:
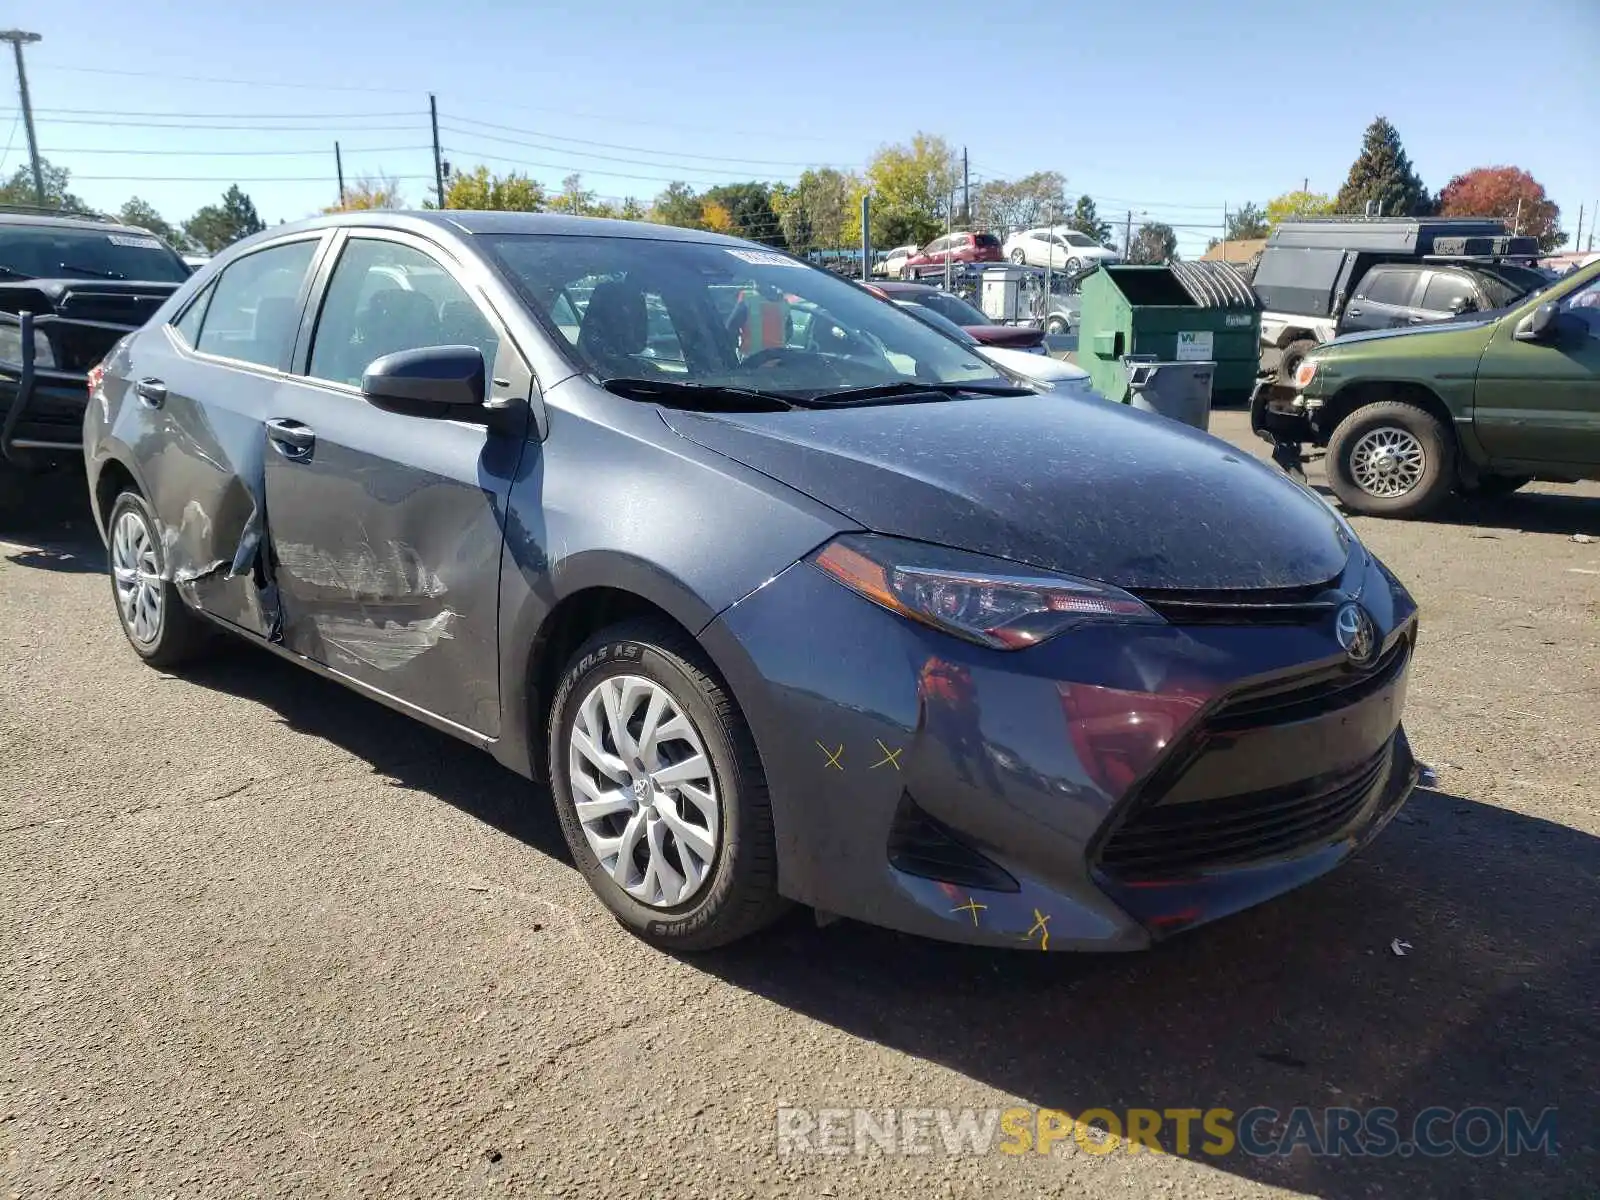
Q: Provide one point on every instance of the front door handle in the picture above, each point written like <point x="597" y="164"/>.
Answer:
<point x="152" y="391"/>
<point x="1352" y="311"/>
<point x="290" y="438"/>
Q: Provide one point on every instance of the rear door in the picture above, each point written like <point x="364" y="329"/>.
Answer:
<point x="387" y="529"/>
<point x="1538" y="403"/>
<point x="202" y="388"/>
<point x="1383" y="299"/>
<point x="1444" y="294"/>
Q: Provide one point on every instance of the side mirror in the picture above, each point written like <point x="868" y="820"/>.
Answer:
<point x="442" y="382"/>
<point x="1540" y="324"/>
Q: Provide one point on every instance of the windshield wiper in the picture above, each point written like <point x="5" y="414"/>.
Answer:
<point x="907" y="387"/>
<point x="698" y="395"/>
<point x="94" y="271"/>
<point x="13" y="273"/>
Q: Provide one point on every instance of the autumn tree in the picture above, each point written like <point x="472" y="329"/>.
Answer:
<point x="368" y="193"/>
<point x="574" y="198"/>
<point x="1153" y="243"/>
<point x="1509" y="193"/>
<point x="480" y="189"/>
<point x="1382" y="177"/>
<point x="142" y="215"/>
<point x="1086" y="220"/>
<point x="217" y="226"/>
<point x="678" y="205"/>
<point x="911" y="186"/>
<point x="827" y="203"/>
<point x="1007" y="205"/>
<point x="749" y="210"/>
<point x="1246" y="223"/>
<point x="1292" y="205"/>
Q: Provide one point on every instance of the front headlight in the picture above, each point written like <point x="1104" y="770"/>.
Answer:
<point x="11" y="347"/>
<point x="991" y="601"/>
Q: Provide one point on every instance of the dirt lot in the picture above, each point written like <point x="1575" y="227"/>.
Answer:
<point x="260" y="937"/>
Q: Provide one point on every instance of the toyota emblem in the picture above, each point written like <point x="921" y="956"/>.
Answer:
<point x="1356" y="633"/>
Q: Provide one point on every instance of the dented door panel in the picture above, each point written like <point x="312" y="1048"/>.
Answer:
<point x="385" y="543"/>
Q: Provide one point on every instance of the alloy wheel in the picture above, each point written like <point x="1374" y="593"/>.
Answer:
<point x="137" y="575"/>
<point x="1387" y="462"/>
<point x="643" y="789"/>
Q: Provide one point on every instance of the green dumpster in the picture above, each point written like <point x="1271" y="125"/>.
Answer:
<point x="1178" y="312"/>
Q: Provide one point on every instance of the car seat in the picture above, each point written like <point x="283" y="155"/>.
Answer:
<point x="615" y="329"/>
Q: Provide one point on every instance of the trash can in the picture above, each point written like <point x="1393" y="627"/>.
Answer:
<point x="1181" y="312"/>
<point x="1180" y="390"/>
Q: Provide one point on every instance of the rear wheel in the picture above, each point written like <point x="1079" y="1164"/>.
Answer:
<point x="1391" y="459"/>
<point x="1057" y="325"/>
<point x="161" y="629"/>
<point x="1074" y="265"/>
<point x="1018" y="257"/>
<point x="660" y="791"/>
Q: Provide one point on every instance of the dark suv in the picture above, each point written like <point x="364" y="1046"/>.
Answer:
<point x="70" y="288"/>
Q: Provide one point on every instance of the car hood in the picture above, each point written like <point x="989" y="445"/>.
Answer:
<point x="1039" y="367"/>
<point x="1012" y="336"/>
<point x="1449" y="325"/>
<point x="1069" y="484"/>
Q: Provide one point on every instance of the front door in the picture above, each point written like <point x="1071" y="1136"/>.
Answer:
<point x="386" y="529"/>
<point x="1382" y="301"/>
<point x="1538" y="403"/>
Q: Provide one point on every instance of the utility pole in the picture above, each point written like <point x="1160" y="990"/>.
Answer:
<point x="338" y="165"/>
<point x="1127" y="240"/>
<point x="966" y="190"/>
<point x="1577" y="240"/>
<point x="18" y="39"/>
<point x="949" y="228"/>
<point x="1516" y="221"/>
<point x="438" y="159"/>
<point x="1305" y="184"/>
<point x="1224" y="242"/>
<point x="866" y="237"/>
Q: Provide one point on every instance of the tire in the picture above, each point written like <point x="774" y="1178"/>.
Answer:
<point x="1391" y="459"/>
<point x="161" y="628"/>
<point x="1290" y="359"/>
<point x="1020" y="258"/>
<point x="1057" y="325"/>
<point x="1074" y="265"/>
<point x="1490" y="487"/>
<point x="737" y="890"/>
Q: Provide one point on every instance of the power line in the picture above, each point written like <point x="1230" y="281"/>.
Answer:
<point x="278" y="83"/>
<point x="221" y="178"/>
<point x="766" y="162"/>
<point x="723" y="172"/>
<point x="190" y="124"/>
<point x="570" y="169"/>
<point x="320" y="150"/>
<point x="250" y="116"/>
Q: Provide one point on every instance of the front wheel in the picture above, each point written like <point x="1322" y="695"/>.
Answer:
<point x="1057" y="325"/>
<point x="1391" y="459"/>
<point x="1018" y="257"/>
<point x="660" y="791"/>
<point x="1074" y="265"/>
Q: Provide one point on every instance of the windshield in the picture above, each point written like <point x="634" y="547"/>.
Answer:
<point x="1505" y="283"/>
<point x="60" y="252"/>
<point x="938" y="321"/>
<point x="723" y="316"/>
<point x="952" y="308"/>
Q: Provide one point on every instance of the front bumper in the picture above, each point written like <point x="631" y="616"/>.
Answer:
<point x="943" y="789"/>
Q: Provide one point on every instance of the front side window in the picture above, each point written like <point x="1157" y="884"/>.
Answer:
<point x="729" y="316"/>
<point x="255" y="305"/>
<point x="1446" y="292"/>
<point x="189" y="324"/>
<point x="385" y="297"/>
<point x="1584" y="304"/>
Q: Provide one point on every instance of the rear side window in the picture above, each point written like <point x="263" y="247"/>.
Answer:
<point x="988" y="241"/>
<point x="1443" y="290"/>
<point x="1390" y="287"/>
<point x="189" y="324"/>
<point x="255" y="306"/>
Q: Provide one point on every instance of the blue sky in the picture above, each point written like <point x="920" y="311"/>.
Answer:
<point x="1168" y="107"/>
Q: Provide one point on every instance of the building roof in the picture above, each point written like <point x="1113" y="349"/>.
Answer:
<point x="1235" y="252"/>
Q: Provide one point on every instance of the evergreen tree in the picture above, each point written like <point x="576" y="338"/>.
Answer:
<point x="1383" y="177"/>
<point x="1087" y="221"/>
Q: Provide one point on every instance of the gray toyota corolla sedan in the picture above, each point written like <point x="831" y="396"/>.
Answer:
<point x="788" y="596"/>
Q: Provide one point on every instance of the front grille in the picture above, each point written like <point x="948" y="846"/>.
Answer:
<point x="1306" y="696"/>
<point x="920" y="845"/>
<point x="1244" y="606"/>
<point x="1164" y="839"/>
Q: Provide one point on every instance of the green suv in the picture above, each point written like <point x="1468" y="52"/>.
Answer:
<point x="1480" y="404"/>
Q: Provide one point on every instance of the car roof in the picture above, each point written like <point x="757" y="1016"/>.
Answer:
<point x="477" y="223"/>
<point x="85" y="224"/>
<point x="896" y="288"/>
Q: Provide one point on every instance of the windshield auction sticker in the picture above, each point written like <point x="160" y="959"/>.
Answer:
<point x="764" y="258"/>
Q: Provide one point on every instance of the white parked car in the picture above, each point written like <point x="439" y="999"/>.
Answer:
<point x="1060" y="248"/>
<point x="894" y="263"/>
<point x="1039" y="368"/>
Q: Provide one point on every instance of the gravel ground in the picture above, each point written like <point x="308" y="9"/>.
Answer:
<point x="260" y="937"/>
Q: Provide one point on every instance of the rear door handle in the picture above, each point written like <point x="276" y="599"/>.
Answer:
<point x="290" y="438"/>
<point x="152" y="391"/>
